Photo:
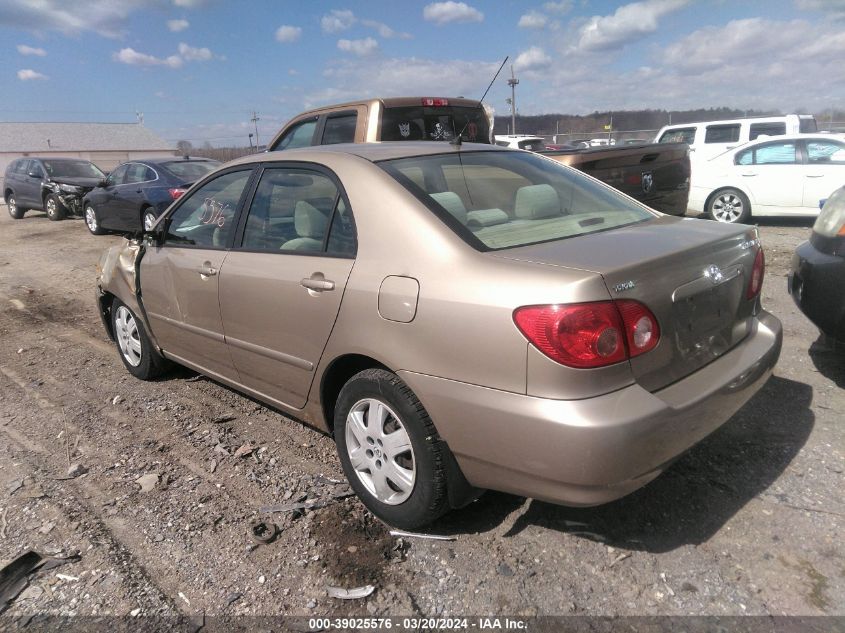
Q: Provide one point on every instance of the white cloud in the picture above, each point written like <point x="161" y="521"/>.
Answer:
<point x="364" y="47"/>
<point x="177" y="25"/>
<point x="190" y="4"/>
<point x="385" y="31"/>
<point x="338" y="20"/>
<point x="834" y="7"/>
<point x="559" y="8"/>
<point x="105" y="17"/>
<point x="191" y="54"/>
<point x="134" y="58"/>
<point x="534" y="58"/>
<point x="293" y="72"/>
<point x="27" y="74"/>
<point x="533" y="20"/>
<point x="450" y="11"/>
<point x="23" y="49"/>
<point x="287" y="34"/>
<point x="629" y="23"/>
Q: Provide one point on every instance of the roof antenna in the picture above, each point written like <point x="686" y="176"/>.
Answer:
<point x="457" y="140"/>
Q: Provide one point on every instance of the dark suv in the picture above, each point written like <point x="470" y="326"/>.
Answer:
<point x="54" y="185"/>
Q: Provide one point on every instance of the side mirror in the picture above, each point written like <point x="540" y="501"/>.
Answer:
<point x="103" y="183"/>
<point x="32" y="174"/>
<point x="155" y="237"/>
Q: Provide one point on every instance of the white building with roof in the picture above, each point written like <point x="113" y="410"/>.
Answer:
<point x="104" y="144"/>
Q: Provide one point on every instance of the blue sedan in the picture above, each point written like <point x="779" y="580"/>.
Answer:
<point x="137" y="192"/>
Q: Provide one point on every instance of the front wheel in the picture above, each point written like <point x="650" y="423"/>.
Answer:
<point x="390" y="451"/>
<point x="148" y="218"/>
<point x="92" y="221"/>
<point x="136" y="351"/>
<point x="14" y="210"/>
<point x="730" y="206"/>
<point x="54" y="208"/>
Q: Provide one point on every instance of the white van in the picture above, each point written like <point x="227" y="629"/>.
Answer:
<point x="709" y="138"/>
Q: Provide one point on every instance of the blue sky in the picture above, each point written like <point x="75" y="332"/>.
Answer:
<point x="197" y="69"/>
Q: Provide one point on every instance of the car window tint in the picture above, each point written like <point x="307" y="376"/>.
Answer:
<point x="23" y="167"/>
<point x="190" y="171"/>
<point x="149" y="174"/>
<point x="775" y="154"/>
<point x="745" y="157"/>
<point x="435" y="123"/>
<point x="35" y="168"/>
<point x="496" y="200"/>
<point x="825" y="152"/>
<point x="722" y="133"/>
<point x="300" y="135"/>
<point x="340" y="129"/>
<point x="290" y="211"/>
<point x="135" y="173"/>
<point x="118" y="175"/>
<point x="766" y="129"/>
<point x="342" y="232"/>
<point x="206" y="217"/>
<point x="680" y="135"/>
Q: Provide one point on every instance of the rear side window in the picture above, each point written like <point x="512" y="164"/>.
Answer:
<point x="766" y="129"/>
<point x="340" y="128"/>
<point x="680" y="135"/>
<point x="22" y="167"/>
<point x="722" y="133"/>
<point x="137" y="173"/>
<point x="444" y="123"/>
<point x="807" y="125"/>
<point x="768" y="154"/>
<point x="825" y="152"/>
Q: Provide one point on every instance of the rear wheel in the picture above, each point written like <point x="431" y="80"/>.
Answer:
<point x="390" y="451"/>
<point x="730" y="206"/>
<point x="136" y="351"/>
<point x="54" y="207"/>
<point x="92" y="221"/>
<point x="14" y="210"/>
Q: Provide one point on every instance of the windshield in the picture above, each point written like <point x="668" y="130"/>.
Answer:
<point x="496" y="200"/>
<point x="418" y="123"/>
<point x="72" y="169"/>
<point x="190" y="170"/>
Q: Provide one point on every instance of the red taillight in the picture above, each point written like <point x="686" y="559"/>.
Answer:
<point x="434" y="101"/>
<point x="176" y="193"/>
<point x="755" y="284"/>
<point x="588" y="335"/>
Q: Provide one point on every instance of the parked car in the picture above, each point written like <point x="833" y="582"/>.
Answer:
<point x="521" y="141"/>
<point x="138" y="191"/>
<point x="54" y="185"/>
<point x="817" y="279"/>
<point x="387" y="119"/>
<point x="459" y="318"/>
<point x="785" y="175"/>
<point x="711" y="138"/>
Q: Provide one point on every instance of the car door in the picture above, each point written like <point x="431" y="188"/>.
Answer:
<point x="772" y="174"/>
<point x="105" y="200"/>
<point x="29" y="188"/>
<point x="179" y="277"/>
<point x="129" y="197"/>
<point x="281" y="287"/>
<point x="824" y="171"/>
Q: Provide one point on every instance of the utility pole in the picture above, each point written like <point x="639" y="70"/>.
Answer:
<point x="255" y="119"/>
<point x="250" y="140"/>
<point x="512" y="83"/>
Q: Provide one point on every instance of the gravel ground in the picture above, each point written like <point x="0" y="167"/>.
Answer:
<point x="748" y="522"/>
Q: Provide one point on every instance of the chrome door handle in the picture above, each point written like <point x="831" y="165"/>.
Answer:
<point x="814" y="175"/>
<point x="749" y="173"/>
<point x="317" y="284"/>
<point x="207" y="270"/>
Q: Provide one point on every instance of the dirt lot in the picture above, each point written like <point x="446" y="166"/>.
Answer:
<point x="748" y="522"/>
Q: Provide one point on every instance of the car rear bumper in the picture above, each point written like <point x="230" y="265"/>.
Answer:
<point x="815" y="283"/>
<point x="591" y="451"/>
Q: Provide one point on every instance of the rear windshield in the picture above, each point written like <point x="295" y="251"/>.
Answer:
<point x="497" y="200"/>
<point x="72" y="169"/>
<point x="807" y="124"/>
<point x="418" y="123"/>
<point x="190" y="170"/>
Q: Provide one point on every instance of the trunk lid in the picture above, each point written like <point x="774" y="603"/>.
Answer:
<point x="692" y="274"/>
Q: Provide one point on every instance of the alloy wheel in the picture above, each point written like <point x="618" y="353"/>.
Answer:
<point x="91" y="219"/>
<point x="52" y="209"/>
<point x="127" y="335"/>
<point x="727" y="207"/>
<point x="149" y="219"/>
<point x="13" y="206"/>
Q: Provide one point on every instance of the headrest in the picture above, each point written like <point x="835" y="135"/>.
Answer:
<point x="452" y="202"/>
<point x="535" y="202"/>
<point x="309" y="221"/>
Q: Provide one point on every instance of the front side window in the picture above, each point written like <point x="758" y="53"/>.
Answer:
<point x="775" y="154"/>
<point x="295" y="210"/>
<point x="496" y="200"/>
<point x="722" y="133"/>
<point x="118" y="176"/>
<point x="206" y="218"/>
<point x="300" y="135"/>
<point x="680" y="135"/>
<point x="825" y="152"/>
<point x="35" y="168"/>
<point x="340" y="129"/>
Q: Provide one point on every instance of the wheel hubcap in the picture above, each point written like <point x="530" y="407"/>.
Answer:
<point x="127" y="335"/>
<point x="51" y="207"/>
<point x="91" y="218"/>
<point x="13" y="206"/>
<point x="380" y="451"/>
<point x="149" y="220"/>
<point x="727" y="208"/>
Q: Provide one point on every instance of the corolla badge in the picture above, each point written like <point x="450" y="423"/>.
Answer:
<point x="625" y="285"/>
<point x="714" y="273"/>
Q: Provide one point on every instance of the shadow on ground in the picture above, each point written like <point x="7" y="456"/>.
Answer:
<point x="828" y="357"/>
<point x="693" y="499"/>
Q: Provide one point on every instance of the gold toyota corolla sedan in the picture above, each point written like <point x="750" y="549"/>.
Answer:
<point x="458" y="317"/>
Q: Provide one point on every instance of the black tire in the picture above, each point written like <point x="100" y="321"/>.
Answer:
<point x="428" y="497"/>
<point x="14" y="210"/>
<point x="730" y="206"/>
<point x="92" y="220"/>
<point x="54" y="208"/>
<point x="142" y="360"/>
